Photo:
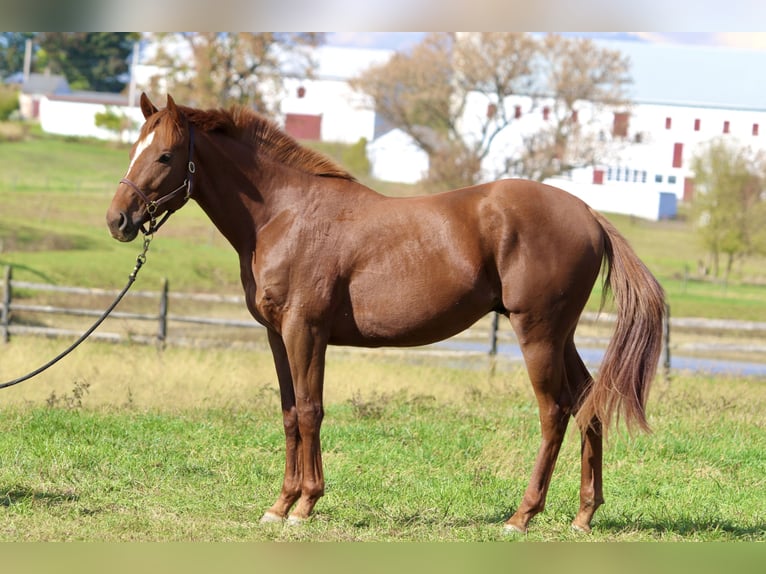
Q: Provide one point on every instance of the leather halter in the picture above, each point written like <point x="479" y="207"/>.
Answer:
<point x="153" y="204"/>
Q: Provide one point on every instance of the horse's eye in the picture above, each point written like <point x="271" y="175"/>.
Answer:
<point x="165" y="158"/>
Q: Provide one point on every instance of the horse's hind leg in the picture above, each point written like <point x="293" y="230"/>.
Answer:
<point x="591" y="492"/>
<point x="544" y="358"/>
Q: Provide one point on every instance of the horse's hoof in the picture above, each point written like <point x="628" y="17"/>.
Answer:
<point x="581" y="528"/>
<point x="513" y="529"/>
<point x="293" y="520"/>
<point x="271" y="518"/>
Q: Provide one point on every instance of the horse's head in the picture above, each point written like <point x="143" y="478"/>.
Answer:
<point x="159" y="177"/>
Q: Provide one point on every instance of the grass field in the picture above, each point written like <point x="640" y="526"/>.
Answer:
<point x="121" y="442"/>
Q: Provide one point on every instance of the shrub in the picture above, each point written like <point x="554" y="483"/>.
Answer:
<point x="9" y="101"/>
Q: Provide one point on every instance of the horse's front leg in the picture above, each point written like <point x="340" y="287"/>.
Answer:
<point x="306" y="347"/>
<point x="291" y="485"/>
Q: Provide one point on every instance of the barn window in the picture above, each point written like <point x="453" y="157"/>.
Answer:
<point x="726" y="126"/>
<point x="697" y="125"/>
<point x="755" y="129"/>
<point x="598" y="176"/>
<point x="668" y="122"/>
<point x="678" y="154"/>
<point x="620" y="126"/>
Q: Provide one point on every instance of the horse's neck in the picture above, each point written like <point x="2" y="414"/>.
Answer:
<point x="222" y="194"/>
<point x="241" y="195"/>
<point x="229" y="225"/>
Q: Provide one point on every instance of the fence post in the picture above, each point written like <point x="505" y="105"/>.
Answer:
<point x="6" y="314"/>
<point x="162" y="332"/>
<point x="493" y="335"/>
<point x="666" y="343"/>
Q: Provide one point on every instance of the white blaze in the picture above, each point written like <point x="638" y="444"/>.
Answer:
<point x="140" y="148"/>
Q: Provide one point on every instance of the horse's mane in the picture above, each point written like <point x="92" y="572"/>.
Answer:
<point x="248" y="126"/>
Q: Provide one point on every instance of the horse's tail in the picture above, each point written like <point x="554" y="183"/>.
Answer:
<point x="623" y="381"/>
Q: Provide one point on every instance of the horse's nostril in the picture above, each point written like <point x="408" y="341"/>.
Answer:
<point x="123" y="223"/>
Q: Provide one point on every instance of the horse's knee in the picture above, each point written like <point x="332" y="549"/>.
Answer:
<point x="310" y="414"/>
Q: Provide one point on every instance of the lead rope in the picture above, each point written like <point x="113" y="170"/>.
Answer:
<point x="140" y="260"/>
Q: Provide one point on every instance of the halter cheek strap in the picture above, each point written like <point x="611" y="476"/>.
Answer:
<point x="153" y="204"/>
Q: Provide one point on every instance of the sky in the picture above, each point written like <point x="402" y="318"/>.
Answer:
<point x="404" y="40"/>
<point x="666" y="67"/>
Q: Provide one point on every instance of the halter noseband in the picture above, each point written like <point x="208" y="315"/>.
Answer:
<point x="152" y="205"/>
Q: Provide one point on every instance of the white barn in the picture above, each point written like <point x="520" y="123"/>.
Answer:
<point x="325" y="107"/>
<point x="396" y="157"/>
<point x="75" y="114"/>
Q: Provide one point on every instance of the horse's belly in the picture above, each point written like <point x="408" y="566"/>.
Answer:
<point x="401" y="317"/>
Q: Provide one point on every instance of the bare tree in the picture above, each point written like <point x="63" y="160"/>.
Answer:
<point x="227" y="68"/>
<point x="413" y="91"/>
<point x="429" y="91"/>
<point x="579" y="80"/>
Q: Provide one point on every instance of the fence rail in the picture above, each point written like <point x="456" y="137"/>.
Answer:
<point x="16" y="296"/>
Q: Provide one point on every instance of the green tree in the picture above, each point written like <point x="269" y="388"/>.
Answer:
<point x="96" y="61"/>
<point x="9" y="101"/>
<point x="730" y="204"/>
<point x="227" y="68"/>
<point x="115" y="122"/>
<point x="12" y="47"/>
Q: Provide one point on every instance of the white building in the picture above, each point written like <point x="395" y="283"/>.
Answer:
<point x="35" y="88"/>
<point x="396" y="157"/>
<point x="325" y="107"/>
<point x="683" y="97"/>
<point x="75" y="114"/>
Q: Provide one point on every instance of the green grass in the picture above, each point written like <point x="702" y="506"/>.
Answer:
<point x="123" y="443"/>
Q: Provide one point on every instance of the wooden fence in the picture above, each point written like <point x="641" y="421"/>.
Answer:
<point x="161" y="318"/>
<point x="205" y="319"/>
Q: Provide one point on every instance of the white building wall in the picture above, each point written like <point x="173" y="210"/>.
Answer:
<point x="626" y="199"/>
<point x="79" y="119"/>
<point x="395" y="157"/>
<point x="346" y="116"/>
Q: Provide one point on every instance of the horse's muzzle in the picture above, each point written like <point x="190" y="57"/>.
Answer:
<point x="121" y="226"/>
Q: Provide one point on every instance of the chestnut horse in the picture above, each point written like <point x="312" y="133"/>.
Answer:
<point x="325" y="260"/>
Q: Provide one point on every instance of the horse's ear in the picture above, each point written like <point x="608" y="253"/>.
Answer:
<point x="173" y="110"/>
<point x="147" y="107"/>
